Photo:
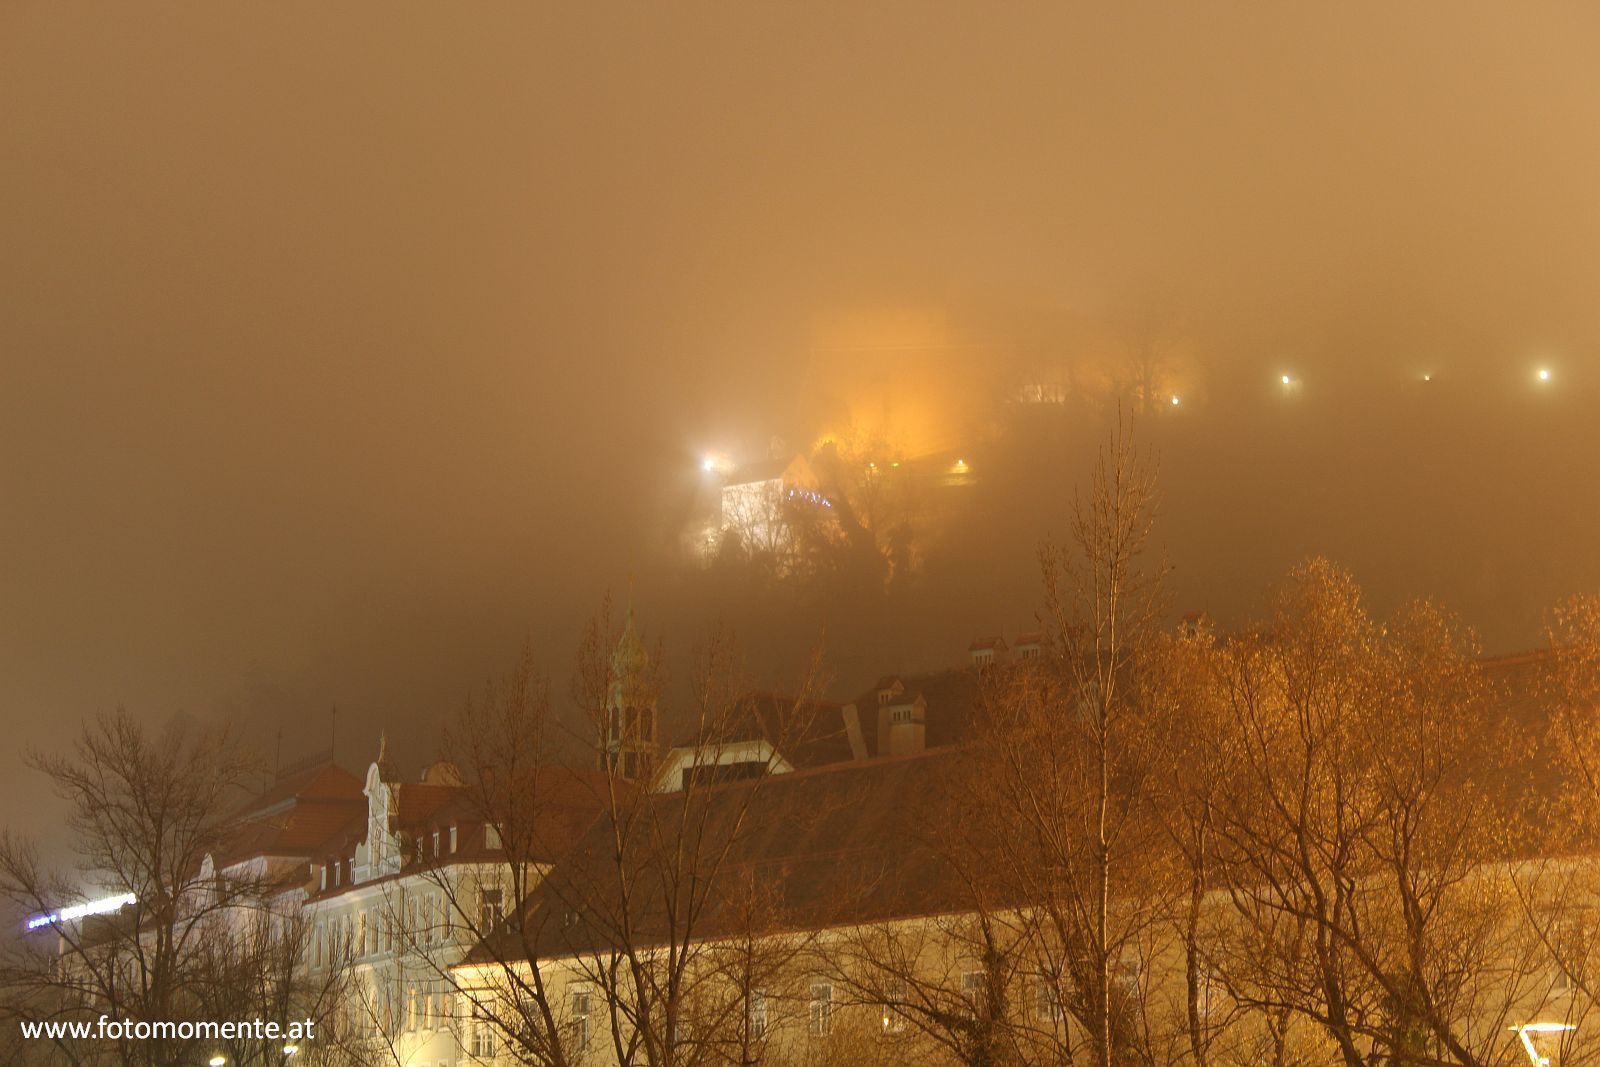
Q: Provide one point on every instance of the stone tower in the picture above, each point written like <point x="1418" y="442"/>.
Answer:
<point x="629" y="743"/>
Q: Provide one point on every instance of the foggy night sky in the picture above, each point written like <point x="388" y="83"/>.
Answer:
<point x="344" y="347"/>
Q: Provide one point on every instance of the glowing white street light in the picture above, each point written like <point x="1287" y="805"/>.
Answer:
<point x="1525" y="1031"/>
<point x="708" y="464"/>
<point x="1286" y="380"/>
<point x="1544" y="374"/>
<point x="217" y="1061"/>
<point x="1174" y="401"/>
<point x="290" y="1050"/>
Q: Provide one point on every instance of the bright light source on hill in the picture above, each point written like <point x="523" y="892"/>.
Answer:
<point x="1174" y="401"/>
<point x="1544" y="374"/>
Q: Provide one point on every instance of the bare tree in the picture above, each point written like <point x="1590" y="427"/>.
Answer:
<point x="1367" y="860"/>
<point x="655" y="907"/>
<point x="144" y="815"/>
<point x="1069" y="757"/>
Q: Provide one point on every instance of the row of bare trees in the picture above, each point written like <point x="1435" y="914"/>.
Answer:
<point x="1325" y="837"/>
<point x="146" y="813"/>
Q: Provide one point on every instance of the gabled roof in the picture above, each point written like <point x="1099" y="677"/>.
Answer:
<point x="791" y="468"/>
<point x="810" y="733"/>
<point x="839" y="843"/>
<point x="294" y="817"/>
<point x="561" y="803"/>
<point x="325" y="782"/>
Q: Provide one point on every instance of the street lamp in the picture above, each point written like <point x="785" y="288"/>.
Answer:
<point x="217" y="1061"/>
<point x="1525" y="1032"/>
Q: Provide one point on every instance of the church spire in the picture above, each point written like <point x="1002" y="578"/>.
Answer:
<point x="628" y="743"/>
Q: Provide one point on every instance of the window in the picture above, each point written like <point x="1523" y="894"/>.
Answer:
<point x="1047" y="999"/>
<point x="756" y="1009"/>
<point x="894" y="1019"/>
<point x="579" y="1024"/>
<point x="647" y="725"/>
<point x="1125" y="972"/>
<point x="974" y="991"/>
<point x="820" y="1015"/>
<point x="1030" y="651"/>
<point x="900" y="715"/>
<point x="489" y="901"/>
<point x="630" y="765"/>
<point x="491" y="836"/>
<point x="436" y="843"/>
<point x="324" y="876"/>
<point x="482" y="1035"/>
<point x="452" y="839"/>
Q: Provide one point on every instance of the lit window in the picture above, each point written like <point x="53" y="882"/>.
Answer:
<point x="491" y="836"/>
<point x="452" y="839"/>
<point x="894" y="1019"/>
<point x="436" y="842"/>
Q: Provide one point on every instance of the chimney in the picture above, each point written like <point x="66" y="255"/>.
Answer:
<point x="902" y="725"/>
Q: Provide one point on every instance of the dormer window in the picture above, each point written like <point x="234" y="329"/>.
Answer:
<point x="324" y="876"/>
<point x="900" y="714"/>
<point x="436" y="843"/>
<point x="452" y="839"/>
<point x="491" y="836"/>
<point x="884" y="696"/>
